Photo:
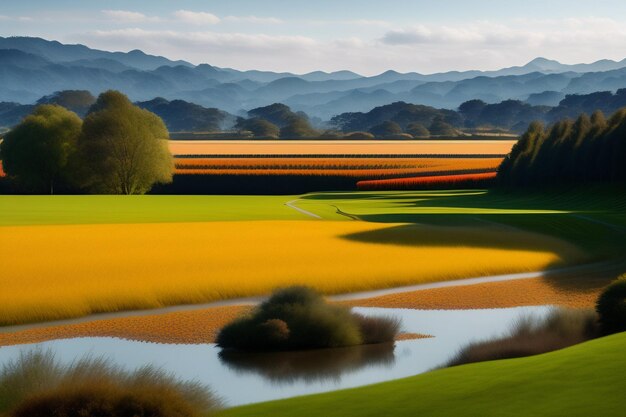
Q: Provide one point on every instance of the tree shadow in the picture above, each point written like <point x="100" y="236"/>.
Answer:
<point x="310" y="366"/>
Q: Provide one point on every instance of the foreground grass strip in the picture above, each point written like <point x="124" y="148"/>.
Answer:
<point x="581" y="381"/>
<point x="55" y="272"/>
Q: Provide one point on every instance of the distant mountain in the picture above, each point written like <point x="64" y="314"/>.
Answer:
<point x="182" y="116"/>
<point x="33" y="67"/>
<point x="57" y="52"/>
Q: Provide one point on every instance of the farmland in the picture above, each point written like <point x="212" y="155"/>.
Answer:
<point x="53" y="272"/>
<point x="341" y="147"/>
<point x="347" y="166"/>
<point x="288" y="167"/>
<point x="106" y="253"/>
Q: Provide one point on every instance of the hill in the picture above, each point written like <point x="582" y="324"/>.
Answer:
<point x="579" y="381"/>
<point x="35" y="67"/>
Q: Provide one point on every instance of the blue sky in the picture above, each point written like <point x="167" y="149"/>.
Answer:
<point x="364" y="36"/>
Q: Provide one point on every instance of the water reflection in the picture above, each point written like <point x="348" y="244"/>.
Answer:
<point x="243" y="381"/>
<point x="325" y="365"/>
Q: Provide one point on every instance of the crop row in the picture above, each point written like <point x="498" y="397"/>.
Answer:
<point x="470" y="179"/>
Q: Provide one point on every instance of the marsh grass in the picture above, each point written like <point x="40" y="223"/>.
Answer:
<point x="37" y="384"/>
<point x="530" y="336"/>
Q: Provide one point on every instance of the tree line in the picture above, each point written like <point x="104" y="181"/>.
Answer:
<point x="118" y="148"/>
<point x="588" y="149"/>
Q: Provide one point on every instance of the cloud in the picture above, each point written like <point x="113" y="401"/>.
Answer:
<point x="126" y="16"/>
<point x="4" y="18"/>
<point x="422" y="48"/>
<point x="196" y="18"/>
<point x="253" y="20"/>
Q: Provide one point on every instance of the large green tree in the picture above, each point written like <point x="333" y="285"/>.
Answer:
<point x="123" y="148"/>
<point x="36" y="152"/>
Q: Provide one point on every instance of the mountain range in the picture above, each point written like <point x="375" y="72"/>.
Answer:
<point x="32" y="67"/>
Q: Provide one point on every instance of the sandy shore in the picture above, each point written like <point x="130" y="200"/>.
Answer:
<point x="202" y="326"/>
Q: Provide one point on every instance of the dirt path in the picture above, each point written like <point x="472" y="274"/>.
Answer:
<point x="291" y="205"/>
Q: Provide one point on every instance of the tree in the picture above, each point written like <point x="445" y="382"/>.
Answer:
<point x="36" y="153"/>
<point x="417" y="130"/>
<point x="440" y="128"/>
<point x="386" y="128"/>
<point x="78" y="101"/>
<point x="260" y="128"/>
<point x="123" y="148"/>
<point x="471" y="110"/>
<point x="297" y="128"/>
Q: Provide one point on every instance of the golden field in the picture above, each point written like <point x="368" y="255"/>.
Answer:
<point x="341" y="147"/>
<point x="52" y="272"/>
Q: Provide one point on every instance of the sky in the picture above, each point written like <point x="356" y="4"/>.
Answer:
<point x="365" y="36"/>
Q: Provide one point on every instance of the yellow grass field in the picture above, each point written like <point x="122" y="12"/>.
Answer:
<point x="52" y="272"/>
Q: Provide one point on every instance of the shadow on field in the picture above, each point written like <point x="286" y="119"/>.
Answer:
<point x="489" y="236"/>
<point x="309" y="365"/>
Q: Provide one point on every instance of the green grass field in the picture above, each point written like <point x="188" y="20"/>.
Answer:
<point x="583" y="380"/>
<point x="104" y="209"/>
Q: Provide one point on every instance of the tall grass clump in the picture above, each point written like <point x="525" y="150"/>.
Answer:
<point x="37" y="385"/>
<point x="611" y="307"/>
<point x="297" y="318"/>
<point x="529" y="336"/>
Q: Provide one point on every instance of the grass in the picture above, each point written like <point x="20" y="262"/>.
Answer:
<point x="59" y="271"/>
<point x="68" y="256"/>
<point x="37" y="384"/>
<point x="106" y="209"/>
<point x="580" y="381"/>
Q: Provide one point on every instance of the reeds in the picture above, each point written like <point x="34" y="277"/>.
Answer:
<point x="529" y="336"/>
<point x="38" y="385"/>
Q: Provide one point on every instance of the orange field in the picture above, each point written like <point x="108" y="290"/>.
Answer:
<point x="349" y="167"/>
<point x="425" y="182"/>
<point x="354" y="167"/>
<point x="341" y="147"/>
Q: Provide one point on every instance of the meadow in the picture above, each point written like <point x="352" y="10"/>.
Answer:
<point x="69" y="256"/>
<point x="54" y="272"/>
<point x="587" y="379"/>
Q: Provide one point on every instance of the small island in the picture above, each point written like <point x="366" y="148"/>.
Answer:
<point x="299" y="318"/>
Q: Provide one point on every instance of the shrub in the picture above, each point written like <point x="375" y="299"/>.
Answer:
<point x="377" y="329"/>
<point x="299" y="318"/>
<point x="562" y="328"/>
<point x="104" y="400"/>
<point x="611" y="307"/>
<point x="36" y="384"/>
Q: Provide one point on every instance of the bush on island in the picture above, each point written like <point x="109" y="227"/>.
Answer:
<point x="299" y="318"/>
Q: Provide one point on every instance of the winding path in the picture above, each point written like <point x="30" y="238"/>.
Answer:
<point x="292" y="205"/>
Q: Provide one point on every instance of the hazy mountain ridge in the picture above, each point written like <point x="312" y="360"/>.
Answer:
<point x="32" y="67"/>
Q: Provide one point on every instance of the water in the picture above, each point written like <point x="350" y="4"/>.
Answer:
<point x="243" y="379"/>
